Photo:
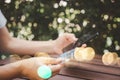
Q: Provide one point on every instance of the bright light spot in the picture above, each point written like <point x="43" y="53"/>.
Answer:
<point x="54" y="24"/>
<point x="104" y="36"/>
<point x="67" y="21"/>
<point x="9" y="25"/>
<point x="60" y="20"/>
<point x="93" y="25"/>
<point x="30" y="0"/>
<point x="85" y="23"/>
<point x="23" y="31"/>
<point x="30" y="37"/>
<point x="114" y="26"/>
<point x="117" y="47"/>
<point x="106" y="17"/>
<point x="7" y="1"/>
<point x="30" y="24"/>
<point x="3" y="57"/>
<point x="55" y="5"/>
<point x="73" y="16"/>
<point x="11" y="18"/>
<point x="105" y="51"/>
<point x="63" y="3"/>
<point x="102" y="1"/>
<point x="71" y="25"/>
<point x="19" y="24"/>
<point x="60" y="32"/>
<point x="11" y="34"/>
<point x="22" y="18"/>
<point x="118" y="19"/>
<point x="71" y="10"/>
<point x="109" y="26"/>
<point x="74" y="30"/>
<point x="83" y="11"/>
<point x="113" y="1"/>
<point x="35" y="24"/>
<point x="17" y="3"/>
<point x="109" y="41"/>
<point x="14" y="23"/>
<point x="78" y="27"/>
<point x="42" y="10"/>
<point x="69" y="30"/>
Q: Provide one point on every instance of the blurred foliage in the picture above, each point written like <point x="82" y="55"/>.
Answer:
<point x="44" y="20"/>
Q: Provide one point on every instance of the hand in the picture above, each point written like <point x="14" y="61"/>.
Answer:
<point x="63" y="41"/>
<point x="29" y="66"/>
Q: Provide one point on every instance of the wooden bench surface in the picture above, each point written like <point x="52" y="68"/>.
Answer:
<point x="94" y="70"/>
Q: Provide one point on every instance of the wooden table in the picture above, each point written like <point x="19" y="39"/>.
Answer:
<point x="94" y="70"/>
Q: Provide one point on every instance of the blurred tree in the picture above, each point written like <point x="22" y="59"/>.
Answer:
<point x="44" y="20"/>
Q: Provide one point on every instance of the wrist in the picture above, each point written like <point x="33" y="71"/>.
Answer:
<point x="17" y="67"/>
<point x="52" y="49"/>
<point x="56" y="48"/>
<point x="11" y="70"/>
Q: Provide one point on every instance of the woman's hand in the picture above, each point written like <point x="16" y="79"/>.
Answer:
<point x="63" y="41"/>
<point x="29" y="67"/>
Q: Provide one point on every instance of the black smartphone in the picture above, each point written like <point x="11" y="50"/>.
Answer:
<point x="85" y="38"/>
<point x="81" y="40"/>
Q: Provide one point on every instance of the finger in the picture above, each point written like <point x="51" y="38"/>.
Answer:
<point x="57" y="71"/>
<point x="84" y="45"/>
<point x="71" y="37"/>
<point x="53" y="61"/>
<point x="56" y="68"/>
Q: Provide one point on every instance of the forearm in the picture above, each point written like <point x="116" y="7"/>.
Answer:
<point x="10" y="71"/>
<point x="23" y="47"/>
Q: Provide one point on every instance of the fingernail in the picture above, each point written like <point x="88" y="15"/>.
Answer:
<point x="75" y="39"/>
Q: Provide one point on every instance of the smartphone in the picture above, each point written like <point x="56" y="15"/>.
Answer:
<point x="81" y="40"/>
<point x="85" y="38"/>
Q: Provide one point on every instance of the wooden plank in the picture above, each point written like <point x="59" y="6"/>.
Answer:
<point x="61" y="77"/>
<point x="84" y="74"/>
<point x="19" y="79"/>
<point x="94" y="67"/>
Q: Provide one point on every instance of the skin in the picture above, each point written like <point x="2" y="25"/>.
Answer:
<point x="22" y="47"/>
<point x="21" y="68"/>
<point x="28" y="67"/>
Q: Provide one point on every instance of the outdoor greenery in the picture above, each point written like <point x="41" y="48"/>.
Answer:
<point x="46" y="19"/>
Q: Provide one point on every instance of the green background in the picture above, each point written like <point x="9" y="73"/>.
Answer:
<point x="45" y="19"/>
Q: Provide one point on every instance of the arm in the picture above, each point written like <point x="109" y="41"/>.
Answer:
<point x="14" y="45"/>
<point x="9" y="71"/>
